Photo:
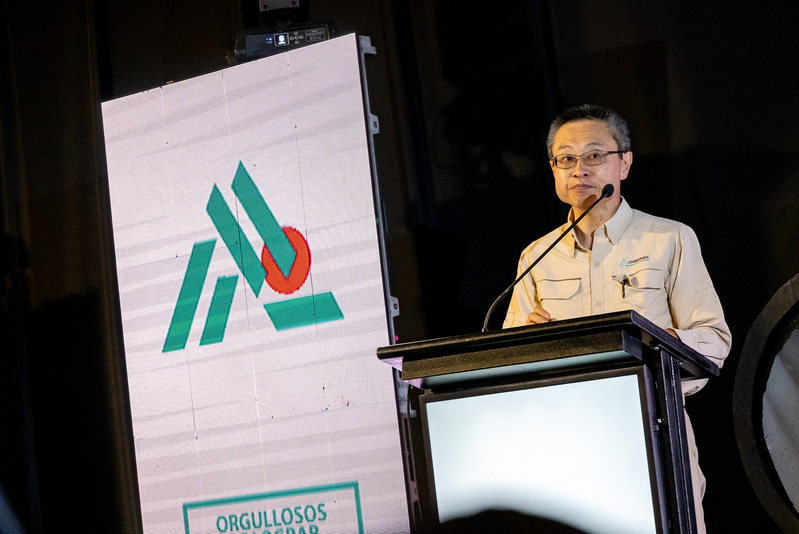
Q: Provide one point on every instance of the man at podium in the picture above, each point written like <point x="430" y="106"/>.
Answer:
<point x="617" y="258"/>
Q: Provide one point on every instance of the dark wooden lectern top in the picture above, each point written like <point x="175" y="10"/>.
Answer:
<point x="574" y="343"/>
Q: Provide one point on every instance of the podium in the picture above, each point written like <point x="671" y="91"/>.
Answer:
<point x="581" y="421"/>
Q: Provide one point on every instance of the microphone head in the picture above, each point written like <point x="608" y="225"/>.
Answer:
<point x="607" y="191"/>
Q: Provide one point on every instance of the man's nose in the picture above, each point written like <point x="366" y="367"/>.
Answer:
<point x="580" y="168"/>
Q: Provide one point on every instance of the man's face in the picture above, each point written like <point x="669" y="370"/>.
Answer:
<point x="582" y="184"/>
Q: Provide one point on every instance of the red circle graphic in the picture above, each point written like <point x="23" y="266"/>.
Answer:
<point x="299" y="269"/>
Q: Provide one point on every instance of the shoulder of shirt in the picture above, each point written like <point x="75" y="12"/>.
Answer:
<point x="641" y="219"/>
<point x="545" y="241"/>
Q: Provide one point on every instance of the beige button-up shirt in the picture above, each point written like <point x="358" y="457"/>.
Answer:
<point x="638" y="262"/>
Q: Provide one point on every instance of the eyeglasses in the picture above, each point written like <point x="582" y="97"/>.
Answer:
<point x="592" y="157"/>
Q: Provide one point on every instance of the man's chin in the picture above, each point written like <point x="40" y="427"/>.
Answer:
<point x="583" y="199"/>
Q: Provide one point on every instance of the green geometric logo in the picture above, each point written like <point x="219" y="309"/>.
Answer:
<point x="284" y="263"/>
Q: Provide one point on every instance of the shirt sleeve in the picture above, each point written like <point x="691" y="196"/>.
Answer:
<point x="695" y="308"/>
<point x="522" y="300"/>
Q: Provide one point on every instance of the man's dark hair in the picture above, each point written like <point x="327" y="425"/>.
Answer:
<point x="616" y="125"/>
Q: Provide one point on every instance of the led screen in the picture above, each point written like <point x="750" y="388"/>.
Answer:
<point x="252" y="300"/>
<point x="573" y="452"/>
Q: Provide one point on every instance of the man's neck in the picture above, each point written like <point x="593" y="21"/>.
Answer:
<point x="596" y="218"/>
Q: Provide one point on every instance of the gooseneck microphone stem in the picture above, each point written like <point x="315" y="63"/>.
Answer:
<point x="607" y="191"/>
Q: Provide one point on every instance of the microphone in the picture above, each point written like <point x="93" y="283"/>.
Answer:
<point x="607" y="192"/>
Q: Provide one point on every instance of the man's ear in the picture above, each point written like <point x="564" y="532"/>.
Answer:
<point x="626" y="163"/>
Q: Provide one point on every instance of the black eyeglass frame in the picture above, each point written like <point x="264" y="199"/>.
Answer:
<point x="554" y="159"/>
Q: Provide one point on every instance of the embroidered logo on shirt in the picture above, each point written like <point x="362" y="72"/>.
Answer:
<point x="628" y="263"/>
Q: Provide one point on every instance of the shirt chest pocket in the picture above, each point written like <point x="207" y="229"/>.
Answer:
<point x="558" y="289"/>
<point x="644" y="291"/>
<point x="647" y="280"/>
<point x="561" y="298"/>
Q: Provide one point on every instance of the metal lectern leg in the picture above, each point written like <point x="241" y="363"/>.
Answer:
<point x="676" y="443"/>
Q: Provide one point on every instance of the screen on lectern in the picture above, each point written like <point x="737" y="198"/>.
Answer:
<point x="574" y="452"/>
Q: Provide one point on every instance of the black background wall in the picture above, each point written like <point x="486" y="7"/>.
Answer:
<point x="465" y="92"/>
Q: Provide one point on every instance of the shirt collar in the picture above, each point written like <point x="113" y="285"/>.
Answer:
<point x="616" y="225"/>
<point x="570" y="240"/>
<point x="613" y="228"/>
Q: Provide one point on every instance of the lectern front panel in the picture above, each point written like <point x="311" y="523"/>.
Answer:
<point x="579" y="452"/>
